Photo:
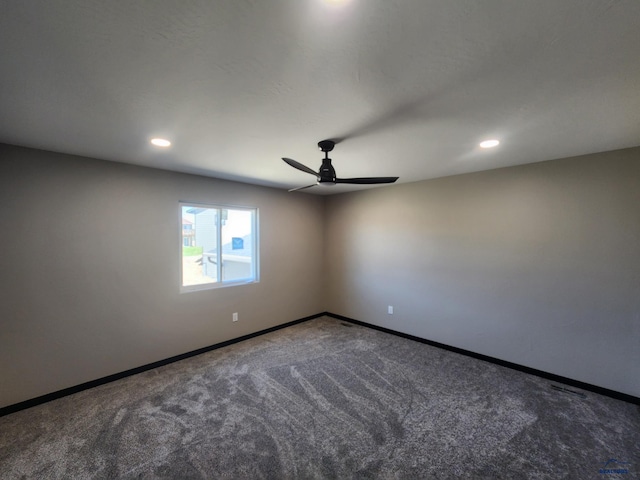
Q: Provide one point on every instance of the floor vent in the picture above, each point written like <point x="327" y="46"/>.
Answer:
<point x="569" y="391"/>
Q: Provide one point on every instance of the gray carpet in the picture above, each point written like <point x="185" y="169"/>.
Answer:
<point x="324" y="399"/>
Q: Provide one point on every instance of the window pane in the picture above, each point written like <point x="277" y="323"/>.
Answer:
<point x="219" y="246"/>
<point x="199" y="259"/>
<point x="237" y="245"/>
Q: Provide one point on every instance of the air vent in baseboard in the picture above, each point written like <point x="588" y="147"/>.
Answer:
<point x="569" y="391"/>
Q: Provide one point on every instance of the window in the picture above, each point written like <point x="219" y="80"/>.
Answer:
<point x="219" y="246"/>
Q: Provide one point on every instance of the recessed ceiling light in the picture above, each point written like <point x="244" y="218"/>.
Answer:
<point x="160" y="142"/>
<point x="489" y="143"/>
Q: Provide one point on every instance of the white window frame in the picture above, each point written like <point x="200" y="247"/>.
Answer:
<point x="255" y="264"/>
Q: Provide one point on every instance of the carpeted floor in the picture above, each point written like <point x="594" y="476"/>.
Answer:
<point x="325" y="399"/>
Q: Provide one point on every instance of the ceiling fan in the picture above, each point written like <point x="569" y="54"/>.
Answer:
<point x="327" y="174"/>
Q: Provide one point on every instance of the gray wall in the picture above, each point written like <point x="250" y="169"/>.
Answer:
<point x="537" y="264"/>
<point x="90" y="269"/>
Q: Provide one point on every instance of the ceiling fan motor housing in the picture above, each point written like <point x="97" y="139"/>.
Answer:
<point x="327" y="172"/>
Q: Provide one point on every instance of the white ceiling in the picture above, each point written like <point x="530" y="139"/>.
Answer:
<point x="413" y="85"/>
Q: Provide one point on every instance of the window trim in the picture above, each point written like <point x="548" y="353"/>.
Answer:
<point x="255" y="247"/>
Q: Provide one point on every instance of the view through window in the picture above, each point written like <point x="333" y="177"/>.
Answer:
<point x="219" y="245"/>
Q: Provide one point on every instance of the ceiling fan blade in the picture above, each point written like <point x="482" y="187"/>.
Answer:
<point x="367" y="180"/>
<point x="302" y="188"/>
<point x="300" y="166"/>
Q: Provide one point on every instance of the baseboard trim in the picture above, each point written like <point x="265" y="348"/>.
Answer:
<point x="503" y="363"/>
<point x="127" y="373"/>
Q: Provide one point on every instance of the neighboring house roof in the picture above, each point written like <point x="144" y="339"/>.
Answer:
<point x="196" y="210"/>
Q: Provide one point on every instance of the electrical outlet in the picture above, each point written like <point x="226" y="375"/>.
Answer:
<point x="390" y="309"/>
<point x="235" y="317"/>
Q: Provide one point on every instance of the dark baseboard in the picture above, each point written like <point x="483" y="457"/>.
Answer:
<point x="549" y="376"/>
<point x="117" y="376"/>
